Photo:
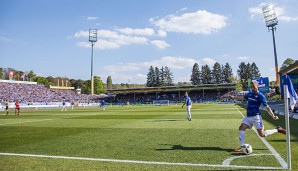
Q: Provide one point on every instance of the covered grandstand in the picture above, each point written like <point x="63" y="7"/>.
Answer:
<point x="198" y="93"/>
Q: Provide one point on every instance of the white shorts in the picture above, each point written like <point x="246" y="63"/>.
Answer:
<point x="254" y="120"/>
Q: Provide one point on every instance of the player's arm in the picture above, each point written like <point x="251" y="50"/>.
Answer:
<point x="183" y="104"/>
<point x="239" y="98"/>
<point x="268" y="109"/>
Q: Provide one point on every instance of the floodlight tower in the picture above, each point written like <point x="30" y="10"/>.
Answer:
<point x="271" y="22"/>
<point x="92" y="39"/>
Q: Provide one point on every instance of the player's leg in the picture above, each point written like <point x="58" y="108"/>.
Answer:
<point x="188" y="113"/>
<point x="244" y="125"/>
<point x="258" y="123"/>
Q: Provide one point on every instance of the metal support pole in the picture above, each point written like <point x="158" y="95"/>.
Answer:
<point x="92" y="80"/>
<point x="275" y="56"/>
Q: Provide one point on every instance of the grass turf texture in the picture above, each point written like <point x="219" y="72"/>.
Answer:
<point x="141" y="133"/>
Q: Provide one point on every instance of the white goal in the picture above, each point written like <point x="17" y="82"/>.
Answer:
<point x="160" y="102"/>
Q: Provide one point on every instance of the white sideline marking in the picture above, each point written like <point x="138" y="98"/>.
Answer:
<point x="138" y="162"/>
<point x="74" y="116"/>
<point x="26" y="121"/>
<point x="228" y="161"/>
<point x="273" y="151"/>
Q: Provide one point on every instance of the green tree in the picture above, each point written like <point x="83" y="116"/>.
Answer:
<point x="109" y="82"/>
<point x="169" y="78"/>
<point x="31" y="75"/>
<point x="287" y="63"/>
<point x="150" y="77"/>
<point x="42" y="80"/>
<point x="157" y="77"/>
<point x="16" y="75"/>
<point x="1" y="73"/>
<point x="195" y="77"/>
<point x="216" y="73"/>
<point x="235" y="79"/>
<point x="255" y="72"/>
<point x="98" y="85"/>
<point x="244" y="74"/>
<point x="51" y="80"/>
<point x="227" y="73"/>
<point x="162" y="76"/>
<point x="86" y="89"/>
<point x="77" y="83"/>
<point x="206" y="74"/>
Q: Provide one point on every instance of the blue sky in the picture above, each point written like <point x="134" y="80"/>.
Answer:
<point x="50" y="37"/>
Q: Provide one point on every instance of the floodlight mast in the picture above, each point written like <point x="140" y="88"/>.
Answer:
<point x="92" y="39"/>
<point x="271" y="22"/>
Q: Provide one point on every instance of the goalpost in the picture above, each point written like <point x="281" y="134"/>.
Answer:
<point x="160" y="102"/>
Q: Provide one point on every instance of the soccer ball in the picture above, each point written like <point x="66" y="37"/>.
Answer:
<point x="247" y="149"/>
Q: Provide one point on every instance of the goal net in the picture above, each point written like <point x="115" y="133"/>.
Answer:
<point x="160" y="102"/>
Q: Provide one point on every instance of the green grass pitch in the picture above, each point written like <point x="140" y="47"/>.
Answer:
<point x="138" y="138"/>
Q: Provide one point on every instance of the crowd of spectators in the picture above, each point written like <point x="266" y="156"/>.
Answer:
<point x="35" y="93"/>
<point x="30" y="93"/>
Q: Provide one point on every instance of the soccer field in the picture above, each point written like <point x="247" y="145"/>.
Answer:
<point x="139" y="138"/>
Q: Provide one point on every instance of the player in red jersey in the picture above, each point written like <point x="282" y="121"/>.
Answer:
<point x="17" y="110"/>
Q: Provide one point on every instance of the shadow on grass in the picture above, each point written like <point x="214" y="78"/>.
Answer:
<point x="180" y="147"/>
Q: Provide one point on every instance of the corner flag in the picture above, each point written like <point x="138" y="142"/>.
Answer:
<point x="291" y="94"/>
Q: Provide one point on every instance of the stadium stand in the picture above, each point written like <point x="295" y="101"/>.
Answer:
<point x="30" y="93"/>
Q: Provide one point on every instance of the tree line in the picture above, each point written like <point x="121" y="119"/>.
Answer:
<point x="218" y="74"/>
<point x="159" y="77"/>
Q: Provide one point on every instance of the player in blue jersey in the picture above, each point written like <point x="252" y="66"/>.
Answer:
<point x="255" y="99"/>
<point x="103" y="105"/>
<point x="63" y="106"/>
<point x="188" y="104"/>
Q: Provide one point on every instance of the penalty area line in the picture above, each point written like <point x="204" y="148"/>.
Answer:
<point x="139" y="162"/>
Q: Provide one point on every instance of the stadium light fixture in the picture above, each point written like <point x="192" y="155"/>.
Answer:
<point x="92" y="39"/>
<point x="271" y="22"/>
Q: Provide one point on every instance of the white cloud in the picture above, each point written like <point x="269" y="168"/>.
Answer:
<point x="83" y="44"/>
<point x="123" y="67"/>
<point x="173" y="62"/>
<point x="169" y="61"/>
<point x="183" y="9"/>
<point x="140" y="32"/>
<point x="180" y="66"/>
<point x="280" y="12"/>
<point x="244" y="58"/>
<point x="287" y="18"/>
<point x="199" y="22"/>
<point x="162" y="33"/>
<point x="160" y="44"/>
<point x="10" y="40"/>
<point x="92" y="18"/>
<point x="107" y="34"/>
<point x="108" y="39"/>
<point x="209" y="61"/>
<point x="81" y="34"/>
<point x="118" y="77"/>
